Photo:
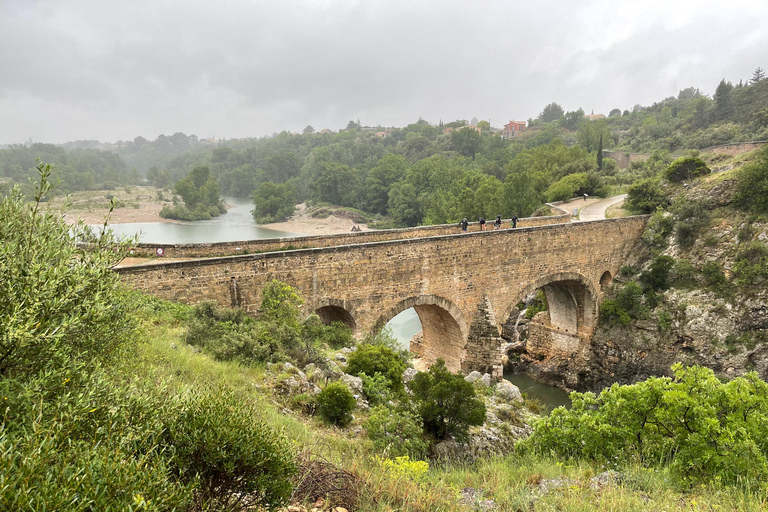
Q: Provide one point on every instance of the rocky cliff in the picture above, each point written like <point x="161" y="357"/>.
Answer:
<point x="700" y="297"/>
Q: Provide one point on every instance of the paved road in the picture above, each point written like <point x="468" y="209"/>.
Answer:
<point x="596" y="210"/>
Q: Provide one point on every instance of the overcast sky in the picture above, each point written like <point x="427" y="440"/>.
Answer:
<point x="109" y="70"/>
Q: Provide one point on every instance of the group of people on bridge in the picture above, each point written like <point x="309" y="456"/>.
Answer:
<point x="496" y="224"/>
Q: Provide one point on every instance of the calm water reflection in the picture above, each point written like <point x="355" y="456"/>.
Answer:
<point x="237" y="224"/>
<point x="550" y="396"/>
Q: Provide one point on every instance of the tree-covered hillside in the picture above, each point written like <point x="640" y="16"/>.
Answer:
<point x="424" y="173"/>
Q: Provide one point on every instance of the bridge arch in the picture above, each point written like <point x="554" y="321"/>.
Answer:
<point x="334" y="310"/>
<point x="572" y="301"/>
<point x="443" y="326"/>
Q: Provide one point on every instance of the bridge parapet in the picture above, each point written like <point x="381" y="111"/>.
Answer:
<point x="214" y="249"/>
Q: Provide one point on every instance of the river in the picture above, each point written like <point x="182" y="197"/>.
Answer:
<point x="238" y="224"/>
<point x="235" y="225"/>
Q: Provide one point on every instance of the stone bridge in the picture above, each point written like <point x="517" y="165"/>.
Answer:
<point x="462" y="286"/>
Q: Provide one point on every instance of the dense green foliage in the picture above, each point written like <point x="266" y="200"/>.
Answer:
<point x="752" y="189"/>
<point x="218" y="446"/>
<point x="78" y="169"/>
<point x="273" y="202"/>
<point x="446" y="402"/>
<point x="79" y="431"/>
<point x="372" y="359"/>
<point x="686" y="168"/>
<point x="200" y="194"/>
<point x="396" y="433"/>
<point x="693" y="423"/>
<point x="335" y="404"/>
<point x="645" y="196"/>
<point x="230" y="334"/>
<point x="58" y="303"/>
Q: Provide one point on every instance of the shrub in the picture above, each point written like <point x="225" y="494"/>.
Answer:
<point x="751" y="264"/>
<point x="611" y="312"/>
<point x="684" y="273"/>
<point x="372" y="359"/>
<point x="305" y="402"/>
<point x="229" y="334"/>
<point x="376" y="389"/>
<point x="664" y="319"/>
<point x="337" y="334"/>
<point x="657" y="277"/>
<point x="396" y="433"/>
<point x="691" y="217"/>
<point x="446" y="402"/>
<point x="685" y="168"/>
<point x="752" y="187"/>
<point x="713" y="273"/>
<point x="646" y="196"/>
<point x="280" y="304"/>
<point x="48" y="470"/>
<point x="236" y="461"/>
<point x="335" y="404"/>
<point x="627" y="305"/>
<point x="657" y="230"/>
<point x="60" y="305"/>
<point x="630" y="298"/>
<point x="692" y="423"/>
<point x="538" y="305"/>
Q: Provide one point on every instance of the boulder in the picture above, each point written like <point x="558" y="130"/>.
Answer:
<point x="508" y="391"/>
<point x="473" y="376"/>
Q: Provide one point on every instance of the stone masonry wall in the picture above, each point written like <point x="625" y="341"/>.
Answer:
<point x="443" y="277"/>
<point x="304" y="242"/>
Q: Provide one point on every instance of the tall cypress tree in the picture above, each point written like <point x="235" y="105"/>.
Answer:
<point x="600" y="154"/>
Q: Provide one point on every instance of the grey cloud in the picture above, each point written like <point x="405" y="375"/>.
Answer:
<point x="92" y="69"/>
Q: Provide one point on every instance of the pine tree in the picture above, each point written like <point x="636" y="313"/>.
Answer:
<point x="758" y="75"/>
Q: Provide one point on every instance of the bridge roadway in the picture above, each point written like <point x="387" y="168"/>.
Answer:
<point x="463" y="286"/>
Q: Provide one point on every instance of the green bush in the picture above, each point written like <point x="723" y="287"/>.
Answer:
<point x="658" y="229"/>
<point x="713" y="274"/>
<point x="657" y="277"/>
<point x="397" y="433"/>
<point x="372" y="359"/>
<point x="685" y="168"/>
<point x="611" y="312"/>
<point x="335" y="404"/>
<point x="336" y="334"/>
<point x="233" y="460"/>
<point x="693" y="424"/>
<point x="305" y="402"/>
<point x="446" y="402"/>
<point x="684" y="274"/>
<point x="49" y="470"/>
<point x="538" y="305"/>
<point x="691" y="217"/>
<point x="229" y="334"/>
<point x="627" y="305"/>
<point x="751" y="264"/>
<point x="646" y="196"/>
<point x="376" y="389"/>
<point x="752" y="187"/>
<point x="60" y="305"/>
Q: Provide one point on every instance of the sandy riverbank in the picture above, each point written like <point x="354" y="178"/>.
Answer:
<point x="303" y="223"/>
<point x="141" y="205"/>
